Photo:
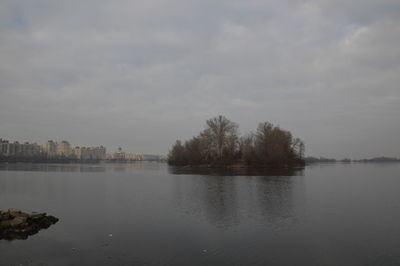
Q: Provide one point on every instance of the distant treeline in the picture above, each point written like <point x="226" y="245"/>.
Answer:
<point x="346" y="160"/>
<point x="219" y="144"/>
<point x="379" y="160"/>
<point x="323" y="160"/>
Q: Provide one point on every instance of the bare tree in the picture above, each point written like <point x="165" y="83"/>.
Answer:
<point x="301" y="150"/>
<point x="246" y="148"/>
<point x="298" y="148"/>
<point x="220" y="135"/>
<point x="219" y="144"/>
<point x="177" y="154"/>
<point x="274" y="145"/>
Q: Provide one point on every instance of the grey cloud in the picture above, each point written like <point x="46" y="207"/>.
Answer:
<point x="141" y="74"/>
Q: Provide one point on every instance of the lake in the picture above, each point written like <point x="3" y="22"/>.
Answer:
<point x="150" y="214"/>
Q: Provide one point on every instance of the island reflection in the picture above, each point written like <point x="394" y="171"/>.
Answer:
<point x="246" y="171"/>
<point x="228" y="198"/>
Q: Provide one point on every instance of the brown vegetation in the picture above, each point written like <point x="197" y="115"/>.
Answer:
<point x="220" y="145"/>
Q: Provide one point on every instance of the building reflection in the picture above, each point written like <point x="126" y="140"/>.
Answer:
<point x="85" y="167"/>
<point x="37" y="167"/>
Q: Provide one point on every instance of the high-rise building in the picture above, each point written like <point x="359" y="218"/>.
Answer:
<point x="3" y="147"/>
<point x="133" y="157"/>
<point x="119" y="155"/>
<point x="16" y="149"/>
<point x="76" y="153"/>
<point x="64" y="149"/>
<point x="90" y="153"/>
<point x="50" y="148"/>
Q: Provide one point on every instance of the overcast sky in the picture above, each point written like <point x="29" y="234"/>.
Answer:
<point x="141" y="74"/>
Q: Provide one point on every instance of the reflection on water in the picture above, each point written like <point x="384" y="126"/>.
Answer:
<point x="152" y="214"/>
<point x="227" y="200"/>
<point x="213" y="197"/>
<point x="276" y="198"/>
<point x="73" y="167"/>
<point x="189" y="170"/>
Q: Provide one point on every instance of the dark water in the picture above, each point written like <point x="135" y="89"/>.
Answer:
<point x="148" y="214"/>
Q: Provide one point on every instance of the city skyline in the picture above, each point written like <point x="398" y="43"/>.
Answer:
<point x="14" y="149"/>
<point x="50" y="150"/>
<point x="13" y="140"/>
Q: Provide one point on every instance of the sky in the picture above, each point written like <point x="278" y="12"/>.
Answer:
<point x="141" y="74"/>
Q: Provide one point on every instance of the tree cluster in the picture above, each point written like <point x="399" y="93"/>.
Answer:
<point x="219" y="144"/>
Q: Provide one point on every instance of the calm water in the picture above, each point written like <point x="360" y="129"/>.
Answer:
<point x="149" y="214"/>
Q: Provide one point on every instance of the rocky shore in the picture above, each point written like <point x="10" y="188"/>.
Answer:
<point x="15" y="224"/>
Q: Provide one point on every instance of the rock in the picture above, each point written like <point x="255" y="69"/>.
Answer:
<point x="14" y="212"/>
<point x="17" y="221"/>
<point x="37" y="216"/>
<point x="4" y="216"/>
<point x="15" y="224"/>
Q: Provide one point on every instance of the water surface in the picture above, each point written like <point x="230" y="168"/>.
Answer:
<point x="150" y="214"/>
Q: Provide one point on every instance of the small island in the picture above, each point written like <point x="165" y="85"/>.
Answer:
<point x="219" y="145"/>
<point x="15" y="224"/>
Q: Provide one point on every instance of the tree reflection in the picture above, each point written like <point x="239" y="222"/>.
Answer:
<point x="211" y="197"/>
<point x="226" y="201"/>
<point x="220" y="200"/>
<point x="276" y="199"/>
<point x="246" y="171"/>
